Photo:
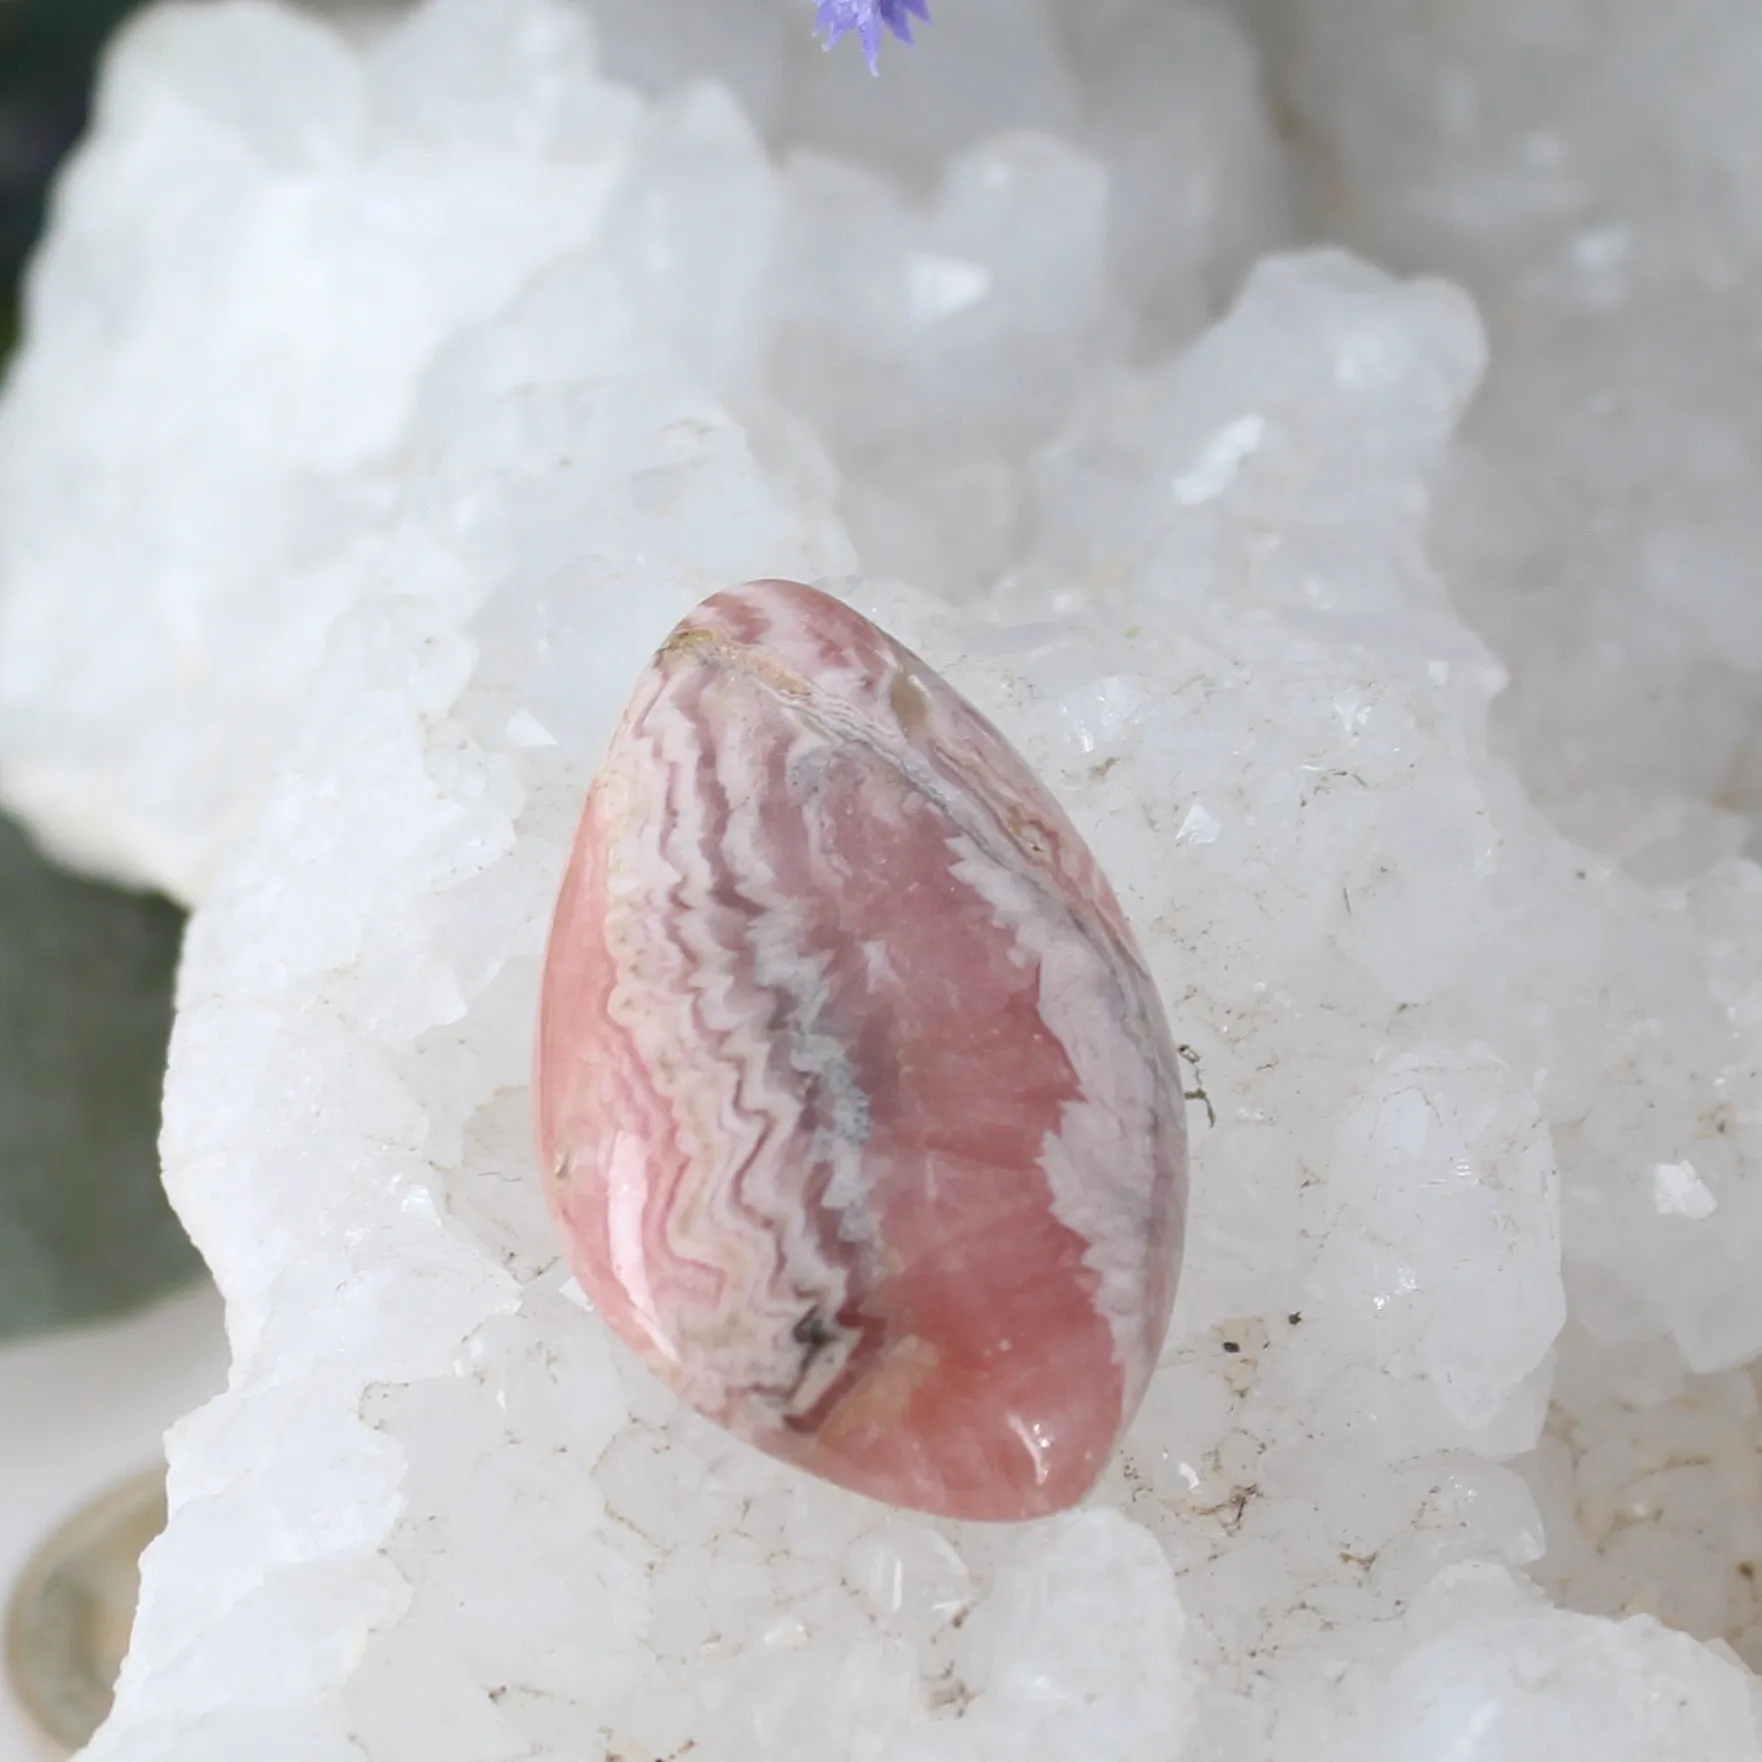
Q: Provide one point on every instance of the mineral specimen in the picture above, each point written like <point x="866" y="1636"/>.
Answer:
<point x="858" y="1106"/>
<point x="322" y="589"/>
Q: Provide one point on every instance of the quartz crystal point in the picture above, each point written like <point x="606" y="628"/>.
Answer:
<point x="857" y="1105"/>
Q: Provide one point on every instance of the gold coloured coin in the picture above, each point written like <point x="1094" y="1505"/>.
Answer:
<point x="68" y="1626"/>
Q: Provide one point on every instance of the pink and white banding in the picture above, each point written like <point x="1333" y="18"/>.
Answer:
<point x="857" y="1106"/>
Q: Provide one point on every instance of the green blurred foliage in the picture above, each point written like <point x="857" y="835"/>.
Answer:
<point x="85" y="1011"/>
<point x="85" y="971"/>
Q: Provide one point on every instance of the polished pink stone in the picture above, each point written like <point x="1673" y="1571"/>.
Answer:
<point x="857" y="1106"/>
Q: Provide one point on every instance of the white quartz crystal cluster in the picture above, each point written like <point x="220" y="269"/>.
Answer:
<point x="392" y="385"/>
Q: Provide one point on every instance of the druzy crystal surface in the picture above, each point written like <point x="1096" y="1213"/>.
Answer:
<point x="856" y="1103"/>
<point x="391" y="388"/>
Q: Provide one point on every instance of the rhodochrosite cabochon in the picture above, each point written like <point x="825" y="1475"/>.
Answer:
<point x="857" y="1106"/>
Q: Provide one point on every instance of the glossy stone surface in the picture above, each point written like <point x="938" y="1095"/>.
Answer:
<point x="856" y="1103"/>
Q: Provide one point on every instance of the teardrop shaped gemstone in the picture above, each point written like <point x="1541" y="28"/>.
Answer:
<point x="858" y="1109"/>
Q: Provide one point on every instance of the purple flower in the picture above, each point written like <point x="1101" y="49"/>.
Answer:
<point x="839" y="18"/>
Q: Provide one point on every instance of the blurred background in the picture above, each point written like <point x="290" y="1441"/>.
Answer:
<point x="85" y="972"/>
<point x="47" y="52"/>
<point x="107" y="1332"/>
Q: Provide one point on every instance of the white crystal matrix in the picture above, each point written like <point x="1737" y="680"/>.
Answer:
<point x="392" y="382"/>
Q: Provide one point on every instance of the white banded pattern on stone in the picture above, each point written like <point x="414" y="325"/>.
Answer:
<point x="859" y="1108"/>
